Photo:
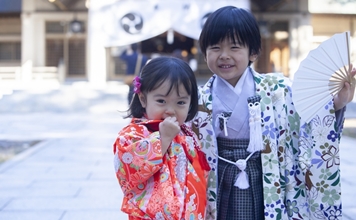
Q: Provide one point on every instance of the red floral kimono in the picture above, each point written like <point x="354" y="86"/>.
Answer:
<point x="156" y="186"/>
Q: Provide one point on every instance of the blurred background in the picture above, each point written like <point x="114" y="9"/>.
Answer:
<point x="59" y="40"/>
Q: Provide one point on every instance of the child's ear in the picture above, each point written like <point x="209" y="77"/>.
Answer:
<point x="142" y="99"/>
<point x="253" y="57"/>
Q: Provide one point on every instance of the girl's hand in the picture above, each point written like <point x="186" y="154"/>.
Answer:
<point x="168" y="129"/>
<point x="346" y="94"/>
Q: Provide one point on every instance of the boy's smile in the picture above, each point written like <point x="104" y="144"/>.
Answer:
<point x="228" y="60"/>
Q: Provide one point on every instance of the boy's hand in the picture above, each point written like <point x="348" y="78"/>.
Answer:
<point x="168" y="129"/>
<point x="346" y="94"/>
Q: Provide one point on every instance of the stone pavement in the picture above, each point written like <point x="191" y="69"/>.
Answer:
<point x="69" y="175"/>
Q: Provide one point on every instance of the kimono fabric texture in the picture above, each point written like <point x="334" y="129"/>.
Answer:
<point x="157" y="186"/>
<point x="300" y="162"/>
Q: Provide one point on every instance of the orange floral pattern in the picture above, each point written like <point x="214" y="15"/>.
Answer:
<point x="157" y="186"/>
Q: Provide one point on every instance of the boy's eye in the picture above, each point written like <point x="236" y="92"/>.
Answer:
<point x="214" y="47"/>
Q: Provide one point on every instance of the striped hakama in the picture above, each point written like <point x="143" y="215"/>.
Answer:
<point x="234" y="203"/>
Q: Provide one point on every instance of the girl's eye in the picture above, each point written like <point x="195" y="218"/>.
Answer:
<point x="160" y="101"/>
<point x="181" y="103"/>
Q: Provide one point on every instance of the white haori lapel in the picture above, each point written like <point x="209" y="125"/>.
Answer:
<point x="224" y="101"/>
<point x="238" y="124"/>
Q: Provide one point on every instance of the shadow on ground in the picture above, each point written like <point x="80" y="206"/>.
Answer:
<point x="8" y="149"/>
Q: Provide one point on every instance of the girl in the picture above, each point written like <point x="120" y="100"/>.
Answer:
<point x="265" y="163"/>
<point x="158" y="163"/>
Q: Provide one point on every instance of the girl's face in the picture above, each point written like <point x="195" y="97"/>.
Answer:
<point x="159" y="105"/>
<point x="228" y="60"/>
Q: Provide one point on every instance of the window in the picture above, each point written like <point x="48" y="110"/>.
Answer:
<point x="55" y="27"/>
<point x="67" y="47"/>
<point x="10" y="51"/>
<point x="54" y="52"/>
<point x="76" y="57"/>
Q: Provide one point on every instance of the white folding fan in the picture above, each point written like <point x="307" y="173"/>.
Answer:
<point x="321" y="75"/>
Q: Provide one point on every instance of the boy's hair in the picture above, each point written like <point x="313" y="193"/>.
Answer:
<point x="230" y="22"/>
<point x="159" y="70"/>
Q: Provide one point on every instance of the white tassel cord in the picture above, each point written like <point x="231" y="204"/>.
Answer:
<point x="242" y="178"/>
<point x="256" y="143"/>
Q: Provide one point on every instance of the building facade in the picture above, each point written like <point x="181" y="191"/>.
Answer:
<point x="42" y="39"/>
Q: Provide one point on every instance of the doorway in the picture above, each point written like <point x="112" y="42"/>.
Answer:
<point x="275" y="52"/>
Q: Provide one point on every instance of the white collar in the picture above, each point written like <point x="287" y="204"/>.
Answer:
<point x="238" y="87"/>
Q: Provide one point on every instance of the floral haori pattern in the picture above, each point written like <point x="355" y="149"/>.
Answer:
<point x="156" y="186"/>
<point x="301" y="175"/>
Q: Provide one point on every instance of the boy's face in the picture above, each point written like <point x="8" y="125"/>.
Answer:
<point x="159" y="105"/>
<point x="228" y="60"/>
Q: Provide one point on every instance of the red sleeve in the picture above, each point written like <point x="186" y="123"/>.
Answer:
<point x="138" y="157"/>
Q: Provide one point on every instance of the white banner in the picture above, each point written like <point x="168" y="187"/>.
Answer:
<point x="125" y="22"/>
<point x="193" y="14"/>
<point x="332" y="7"/>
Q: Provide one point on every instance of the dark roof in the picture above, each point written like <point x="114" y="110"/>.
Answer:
<point x="10" y="6"/>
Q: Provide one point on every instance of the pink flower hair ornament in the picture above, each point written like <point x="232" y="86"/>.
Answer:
<point x="137" y="84"/>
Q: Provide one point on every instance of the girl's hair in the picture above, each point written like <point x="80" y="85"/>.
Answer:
<point x="230" y="22"/>
<point x="159" y="70"/>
